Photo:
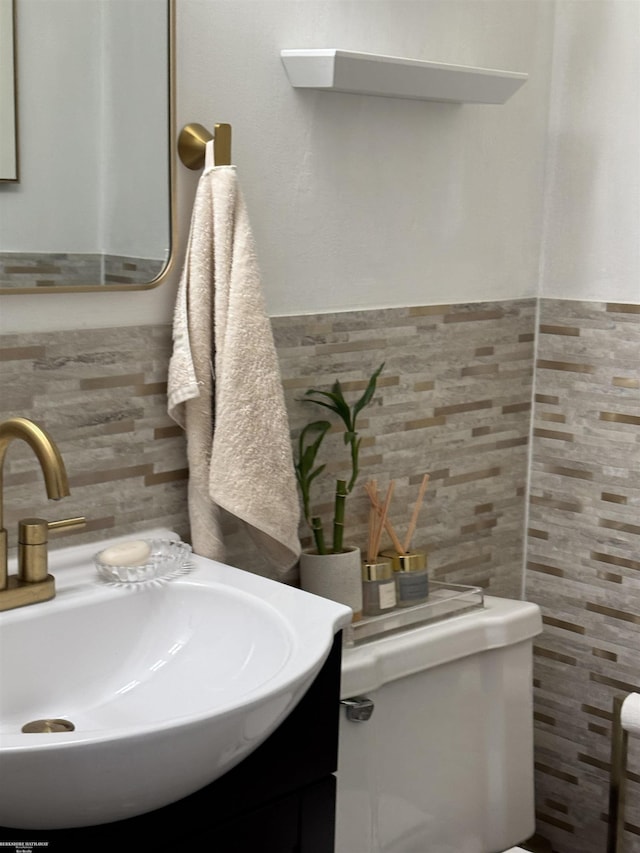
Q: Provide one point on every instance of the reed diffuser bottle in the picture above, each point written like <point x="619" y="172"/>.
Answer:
<point x="378" y="582"/>
<point x="378" y="586"/>
<point x="411" y="576"/>
<point x="409" y="566"/>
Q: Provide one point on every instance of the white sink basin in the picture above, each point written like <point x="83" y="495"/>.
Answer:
<point x="168" y="684"/>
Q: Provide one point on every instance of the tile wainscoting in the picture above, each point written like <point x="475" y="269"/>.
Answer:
<point x="583" y="563"/>
<point x="453" y="400"/>
<point x="101" y="393"/>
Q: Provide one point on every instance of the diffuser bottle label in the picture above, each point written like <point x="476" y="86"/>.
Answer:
<point x="387" y="592"/>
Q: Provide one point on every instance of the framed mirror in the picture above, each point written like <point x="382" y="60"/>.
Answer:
<point x="93" y="204"/>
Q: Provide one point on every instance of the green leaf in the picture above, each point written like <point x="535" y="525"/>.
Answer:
<point x="368" y="393"/>
<point x="304" y="470"/>
<point x="321" y="427"/>
<point x="355" y="470"/>
<point x="316" y="473"/>
<point x="344" y="410"/>
<point x="338" y="404"/>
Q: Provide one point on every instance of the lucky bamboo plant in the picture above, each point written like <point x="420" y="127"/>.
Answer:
<point x="309" y="444"/>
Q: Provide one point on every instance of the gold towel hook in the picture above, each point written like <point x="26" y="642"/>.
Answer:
<point x="192" y="141"/>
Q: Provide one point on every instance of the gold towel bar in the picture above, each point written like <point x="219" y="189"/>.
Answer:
<point x="192" y="141"/>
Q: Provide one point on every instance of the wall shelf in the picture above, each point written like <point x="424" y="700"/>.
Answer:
<point x="336" y="70"/>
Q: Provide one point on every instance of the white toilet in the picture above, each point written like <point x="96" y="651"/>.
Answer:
<point x="444" y="764"/>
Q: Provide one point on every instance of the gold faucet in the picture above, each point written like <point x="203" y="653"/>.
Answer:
<point x="32" y="583"/>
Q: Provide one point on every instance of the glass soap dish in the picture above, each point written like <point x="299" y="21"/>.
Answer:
<point x="445" y="600"/>
<point x="166" y="557"/>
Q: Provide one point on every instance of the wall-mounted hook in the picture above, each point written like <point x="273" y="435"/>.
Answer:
<point x="193" y="139"/>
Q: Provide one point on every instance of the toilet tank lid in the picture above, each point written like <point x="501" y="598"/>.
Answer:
<point x="501" y="622"/>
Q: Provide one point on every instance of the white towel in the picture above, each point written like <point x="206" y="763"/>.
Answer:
<point x="224" y="384"/>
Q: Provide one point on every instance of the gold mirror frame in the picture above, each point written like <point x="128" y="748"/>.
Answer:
<point x="8" y="93"/>
<point x="172" y="149"/>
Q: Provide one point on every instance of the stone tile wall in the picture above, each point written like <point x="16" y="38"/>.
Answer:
<point x="453" y="401"/>
<point x="101" y="393"/>
<point x="583" y="565"/>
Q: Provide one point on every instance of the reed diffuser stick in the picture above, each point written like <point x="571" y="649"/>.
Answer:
<point x="371" y="488"/>
<point x="416" y="512"/>
<point x="384" y="515"/>
<point x="373" y="533"/>
<point x="373" y="497"/>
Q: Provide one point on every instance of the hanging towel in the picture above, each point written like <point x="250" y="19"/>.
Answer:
<point x="224" y="384"/>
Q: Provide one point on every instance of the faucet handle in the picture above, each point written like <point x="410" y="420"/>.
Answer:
<point x="34" y="531"/>
<point x="61" y="523"/>
<point x="33" y="535"/>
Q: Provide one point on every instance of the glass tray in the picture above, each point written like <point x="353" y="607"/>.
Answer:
<point x="445" y="600"/>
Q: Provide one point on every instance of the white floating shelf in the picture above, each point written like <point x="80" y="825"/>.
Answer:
<point x="394" y="77"/>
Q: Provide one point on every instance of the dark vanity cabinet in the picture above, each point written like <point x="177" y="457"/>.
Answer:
<point x="281" y="799"/>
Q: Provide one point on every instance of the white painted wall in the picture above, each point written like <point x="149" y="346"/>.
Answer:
<point x="363" y="202"/>
<point x="359" y="202"/>
<point x="592" y="222"/>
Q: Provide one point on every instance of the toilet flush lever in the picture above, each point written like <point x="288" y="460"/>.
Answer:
<point x="359" y="709"/>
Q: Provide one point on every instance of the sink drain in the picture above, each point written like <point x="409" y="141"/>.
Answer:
<point x="48" y="726"/>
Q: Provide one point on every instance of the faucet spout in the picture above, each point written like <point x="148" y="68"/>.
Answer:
<point x="53" y="469"/>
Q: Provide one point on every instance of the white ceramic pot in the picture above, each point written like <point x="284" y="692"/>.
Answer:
<point x="334" y="576"/>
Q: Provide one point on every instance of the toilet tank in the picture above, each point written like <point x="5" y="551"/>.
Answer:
<point x="445" y="762"/>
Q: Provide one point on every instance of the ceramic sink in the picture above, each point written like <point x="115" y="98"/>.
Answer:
<point x="167" y="683"/>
